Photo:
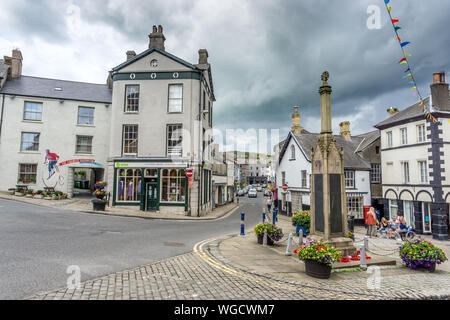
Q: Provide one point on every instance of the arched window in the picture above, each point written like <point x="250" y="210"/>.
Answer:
<point x="129" y="185"/>
<point x="173" y="185"/>
<point x="293" y="152"/>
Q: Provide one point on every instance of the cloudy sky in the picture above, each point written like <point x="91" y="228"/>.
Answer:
<point x="267" y="56"/>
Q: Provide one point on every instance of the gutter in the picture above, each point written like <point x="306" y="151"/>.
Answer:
<point x="200" y="143"/>
<point x="1" y="116"/>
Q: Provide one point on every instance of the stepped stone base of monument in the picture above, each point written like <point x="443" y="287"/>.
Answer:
<point x="344" y="245"/>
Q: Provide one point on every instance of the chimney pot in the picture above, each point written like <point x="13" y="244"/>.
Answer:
<point x="296" y="128"/>
<point x="157" y="38"/>
<point x="16" y="64"/>
<point x="131" y="54"/>
<point x="439" y="92"/>
<point x="203" y="56"/>
<point x="345" y="129"/>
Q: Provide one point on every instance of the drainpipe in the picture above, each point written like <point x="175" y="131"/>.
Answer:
<point x="1" y="116"/>
<point x="200" y="143"/>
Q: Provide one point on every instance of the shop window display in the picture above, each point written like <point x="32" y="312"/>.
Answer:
<point x="129" y="185"/>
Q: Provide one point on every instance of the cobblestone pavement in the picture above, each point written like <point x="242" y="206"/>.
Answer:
<point x="207" y="275"/>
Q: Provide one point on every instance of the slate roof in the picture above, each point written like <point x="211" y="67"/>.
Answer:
<point x="352" y="160"/>
<point x="368" y="139"/>
<point x="411" y="112"/>
<point x="45" y="88"/>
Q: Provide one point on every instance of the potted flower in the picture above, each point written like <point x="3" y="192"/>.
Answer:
<point x="29" y="193"/>
<point x="99" y="194"/>
<point x="20" y="192"/>
<point x="302" y="220"/>
<point x="99" y="204"/>
<point x="38" y="194"/>
<point x="318" y="257"/>
<point x="48" y="195"/>
<point x="274" y="233"/>
<point x="12" y="191"/>
<point x="421" y="255"/>
<point x="100" y="185"/>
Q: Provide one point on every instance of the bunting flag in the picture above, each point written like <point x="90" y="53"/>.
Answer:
<point x="408" y="72"/>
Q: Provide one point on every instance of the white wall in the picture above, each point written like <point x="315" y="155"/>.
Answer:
<point x="58" y="130"/>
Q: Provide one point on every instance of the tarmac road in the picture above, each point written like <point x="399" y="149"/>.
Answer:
<point x="38" y="244"/>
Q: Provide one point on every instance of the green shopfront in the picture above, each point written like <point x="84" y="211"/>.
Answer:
<point x="151" y="185"/>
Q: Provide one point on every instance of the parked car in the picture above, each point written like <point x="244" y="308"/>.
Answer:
<point x="252" y="193"/>
<point x="241" y="193"/>
<point x="259" y="189"/>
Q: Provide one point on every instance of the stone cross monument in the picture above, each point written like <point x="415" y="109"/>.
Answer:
<point x="328" y="200"/>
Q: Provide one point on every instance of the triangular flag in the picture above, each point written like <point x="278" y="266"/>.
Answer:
<point x="389" y="9"/>
<point x="397" y="28"/>
<point x="404" y="59"/>
<point x="395" y="20"/>
<point x="398" y="38"/>
<point x="413" y="87"/>
<point x="386" y="1"/>
<point x="404" y="43"/>
<point x="407" y="54"/>
<point x="421" y="103"/>
<point x="407" y="70"/>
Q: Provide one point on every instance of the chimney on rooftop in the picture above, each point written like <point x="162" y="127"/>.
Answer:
<point x="345" y="129"/>
<point x="296" y="128"/>
<point x="131" y="54"/>
<point x="203" y="56"/>
<point x="439" y="92"/>
<point x="157" y="38"/>
<point x="16" y="64"/>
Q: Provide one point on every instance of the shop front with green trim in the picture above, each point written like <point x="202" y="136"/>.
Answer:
<point x="151" y="186"/>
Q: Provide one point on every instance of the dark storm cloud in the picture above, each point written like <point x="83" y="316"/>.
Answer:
<point x="267" y="56"/>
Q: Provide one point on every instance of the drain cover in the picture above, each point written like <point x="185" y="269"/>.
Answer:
<point x="174" y="244"/>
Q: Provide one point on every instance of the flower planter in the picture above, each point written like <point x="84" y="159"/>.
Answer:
<point x="29" y="196"/>
<point x="12" y="191"/>
<point x="261" y="240"/>
<point x="98" y="205"/>
<point x="422" y="267"/>
<point x="38" y="196"/>
<point x="48" y="198"/>
<point x="19" y="194"/>
<point x="54" y="197"/>
<point x="298" y="228"/>
<point x="317" y="270"/>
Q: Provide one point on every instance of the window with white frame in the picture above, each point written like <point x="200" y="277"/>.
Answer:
<point x="29" y="141"/>
<point x="27" y="172"/>
<point x="355" y="207"/>
<point x="132" y="98"/>
<point x="375" y="174"/>
<point x="349" y="178"/>
<point x="393" y="208"/>
<point x="292" y="152"/>
<point x="175" y="98"/>
<point x="130" y="139"/>
<point x="304" y="185"/>
<point x="173" y="185"/>
<point x="174" y="140"/>
<point x="404" y="135"/>
<point x="129" y="185"/>
<point x="389" y="139"/>
<point x="421" y="133"/>
<point x="32" y="111"/>
<point x="84" y="144"/>
<point x="405" y="171"/>
<point x="423" y="171"/>
<point x="283" y="177"/>
<point x="86" y="115"/>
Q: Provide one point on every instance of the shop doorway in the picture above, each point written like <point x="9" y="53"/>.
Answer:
<point x="151" y="195"/>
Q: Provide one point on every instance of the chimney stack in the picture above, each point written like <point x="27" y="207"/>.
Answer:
<point x="203" y="56"/>
<point x="16" y="64"/>
<point x="296" y="128"/>
<point x="157" y="38"/>
<point x="345" y="129"/>
<point x="131" y="54"/>
<point x="439" y="92"/>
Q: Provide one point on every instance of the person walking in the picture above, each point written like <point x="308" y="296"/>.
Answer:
<point x="269" y="204"/>
<point x="371" y="221"/>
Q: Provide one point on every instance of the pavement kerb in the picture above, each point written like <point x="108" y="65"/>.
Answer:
<point x="224" y="215"/>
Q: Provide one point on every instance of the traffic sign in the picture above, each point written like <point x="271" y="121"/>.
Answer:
<point x="189" y="173"/>
<point x="284" y="187"/>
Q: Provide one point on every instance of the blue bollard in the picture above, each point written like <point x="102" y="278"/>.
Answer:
<point x="275" y="218"/>
<point x="242" y="223"/>
<point x="264" y="217"/>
